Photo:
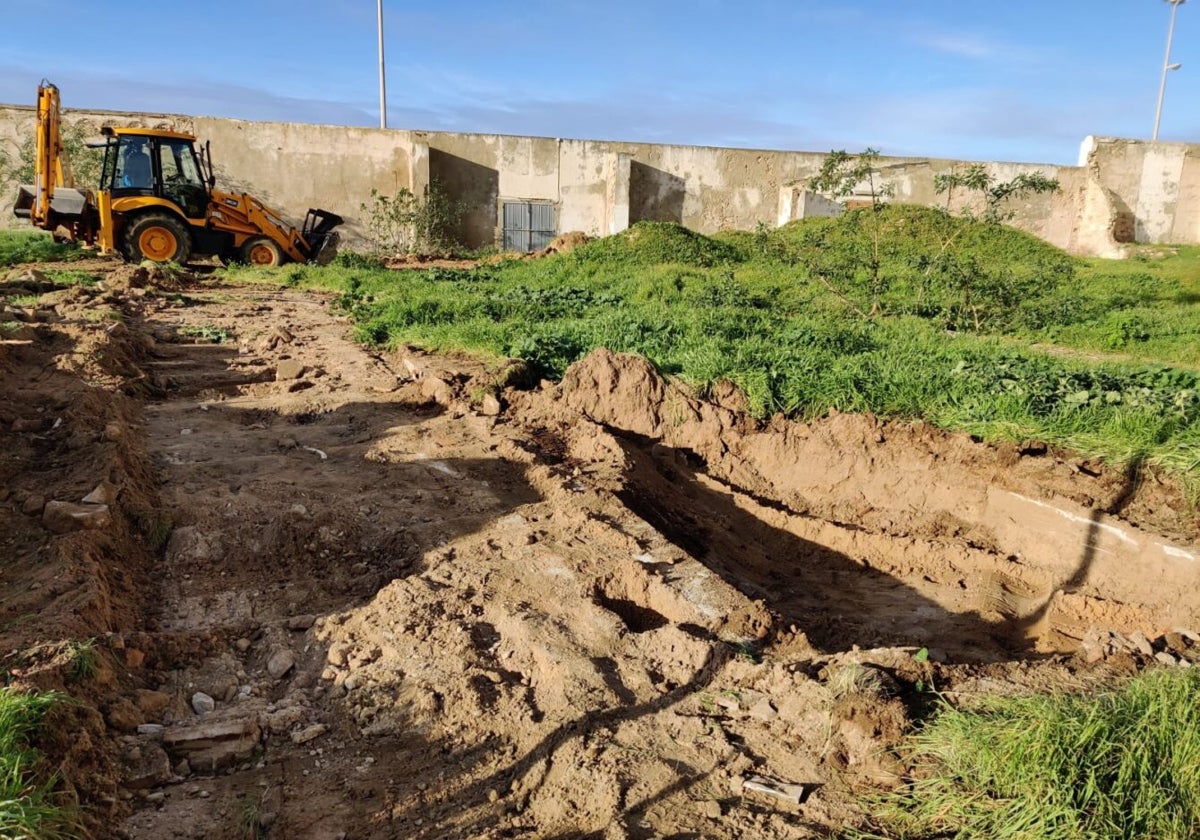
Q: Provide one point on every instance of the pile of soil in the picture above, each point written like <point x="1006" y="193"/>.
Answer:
<point x="338" y="593"/>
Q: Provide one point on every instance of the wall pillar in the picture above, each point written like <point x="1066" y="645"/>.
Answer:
<point x="618" y="194"/>
<point x="418" y="165"/>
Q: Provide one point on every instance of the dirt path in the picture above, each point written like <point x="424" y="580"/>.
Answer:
<point x="410" y="625"/>
<point x="341" y="594"/>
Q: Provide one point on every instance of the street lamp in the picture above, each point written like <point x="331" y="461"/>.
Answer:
<point x="1167" y="65"/>
<point x="383" y="82"/>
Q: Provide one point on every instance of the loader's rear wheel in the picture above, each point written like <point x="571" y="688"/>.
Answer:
<point x="261" y="251"/>
<point x="159" y="238"/>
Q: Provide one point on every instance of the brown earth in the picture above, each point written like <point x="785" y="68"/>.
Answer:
<point x="411" y="602"/>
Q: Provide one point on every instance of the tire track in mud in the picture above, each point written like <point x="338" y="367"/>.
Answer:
<point x="286" y="510"/>
<point x="407" y="623"/>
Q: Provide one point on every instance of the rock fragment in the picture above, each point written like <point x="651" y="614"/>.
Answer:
<point x="64" y="517"/>
<point x="202" y="704"/>
<point x="281" y="661"/>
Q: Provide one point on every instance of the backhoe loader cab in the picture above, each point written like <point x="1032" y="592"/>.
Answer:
<point x="157" y="201"/>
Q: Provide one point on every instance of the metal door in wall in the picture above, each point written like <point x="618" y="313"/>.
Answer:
<point x="528" y="225"/>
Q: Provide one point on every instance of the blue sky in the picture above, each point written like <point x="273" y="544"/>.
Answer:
<point x="1021" y="80"/>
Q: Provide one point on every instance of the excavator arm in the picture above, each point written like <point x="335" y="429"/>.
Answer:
<point x="51" y="200"/>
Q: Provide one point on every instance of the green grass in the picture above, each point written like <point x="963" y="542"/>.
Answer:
<point x="747" y="307"/>
<point x="1123" y="764"/>
<point x="27" y="809"/>
<point x="82" y="660"/>
<point x="17" y="247"/>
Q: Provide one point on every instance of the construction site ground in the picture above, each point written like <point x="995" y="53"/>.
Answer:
<point x="325" y="591"/>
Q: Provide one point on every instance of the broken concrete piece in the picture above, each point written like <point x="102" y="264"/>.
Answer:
<point x="289" y="369"/>
<point x="309" y="733"/>
<point x="285" y="719"/>
<point x="437" y="390"/>
<point x="778" y="790"/>
<point x="104" y="494"/>
<point x="64" y="517"/>
<point x="146" y="765"/>
<point x="215" y="745"/>
<point x="490" y="406"/>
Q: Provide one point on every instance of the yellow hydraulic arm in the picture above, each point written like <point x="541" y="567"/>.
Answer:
<point x="50" y="166"/>
<point x="244" y="215"/>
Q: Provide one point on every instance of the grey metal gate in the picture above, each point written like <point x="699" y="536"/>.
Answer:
<point x="528" y="225"/>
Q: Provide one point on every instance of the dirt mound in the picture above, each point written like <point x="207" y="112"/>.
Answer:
<point x="1033" y="544"/>
<point x="76" y="506"/>
<point x="655" y="243"/>
<point x="565" y="243"/>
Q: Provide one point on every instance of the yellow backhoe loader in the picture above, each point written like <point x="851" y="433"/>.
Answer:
<point x="157" y="200"/>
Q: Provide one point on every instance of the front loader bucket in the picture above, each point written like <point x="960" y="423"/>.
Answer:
<point x="328" y="250"/>
<point x="320" y="235"/>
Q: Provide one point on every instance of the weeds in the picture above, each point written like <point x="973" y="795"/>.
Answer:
<point x="250" y="824"/>
<point x="17" y="247"/>
<point x="82" y="662"/>
<point x="1124" y="763"/>
<point x="855" y="274"/>
<point x="406" y="223"/>
<point x="156" y="528"/>
<point x="206" y="332"/>
<point x="27" y="808"/>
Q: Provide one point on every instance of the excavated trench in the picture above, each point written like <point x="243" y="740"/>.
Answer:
<point x="386" y="609"/>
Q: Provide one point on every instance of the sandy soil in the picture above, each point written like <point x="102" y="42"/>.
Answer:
<point x="343" y="594"/>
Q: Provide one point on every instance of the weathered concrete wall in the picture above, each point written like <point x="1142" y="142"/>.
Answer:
<point x="1122" y="191"/>
<point x="294" y="167"/>
<point x="1156" y="186"/>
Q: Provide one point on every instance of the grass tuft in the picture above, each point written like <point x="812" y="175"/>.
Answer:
<point x="1123" y="764"/>
<point x="27" y="809"/>
<point x="82" y="661"/>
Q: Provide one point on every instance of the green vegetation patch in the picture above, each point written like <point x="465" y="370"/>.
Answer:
<point x="655" y="243"/>
<point x="27" y="808"/>
<point x="903" y="259"/>
<point x="1124" y="763"/>
<point x="753" y="308"/>
<point x="17" y="247"/>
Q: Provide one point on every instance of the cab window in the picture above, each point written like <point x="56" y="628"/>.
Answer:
<point x="177" y="160"/>
<point x="133" y="171"/>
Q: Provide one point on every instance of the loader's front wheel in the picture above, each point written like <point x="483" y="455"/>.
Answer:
<point x="260" y="251"/>
<point x="159" y="238"/>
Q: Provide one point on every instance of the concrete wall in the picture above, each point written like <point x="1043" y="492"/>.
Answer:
<point x="1122" y="191"/>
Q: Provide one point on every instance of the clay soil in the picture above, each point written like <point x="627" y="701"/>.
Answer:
<point x="339" y="593"/>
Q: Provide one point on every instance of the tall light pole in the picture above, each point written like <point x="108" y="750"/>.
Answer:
<point x="1167" y="65"/>
<point x="383" y="80"/>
